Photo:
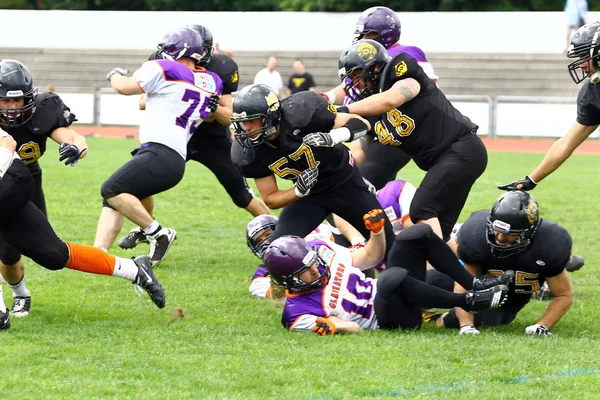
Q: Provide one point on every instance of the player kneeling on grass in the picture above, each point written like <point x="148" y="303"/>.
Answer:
<point x="513" y="236"/>
<point x="327" y="292"/>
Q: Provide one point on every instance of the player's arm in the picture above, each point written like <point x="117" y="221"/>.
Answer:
<point x="67" y="135"/>
<point x="342" y="326"/>
<point x="125" y="84"/>
<point x="142" y="102"/>
<point x="224" y="111"/>
<point x="401" y="92"/>
<point x="372" y="254"/>
<point x="274" y="197"/>
<point x="346" y="128"/>
<point x="347" y="230"/>
<point x="335" y="95"/>
<point x="331" y="325"/>
<point x="7" y="152"/>
<point x="562" y="293"/>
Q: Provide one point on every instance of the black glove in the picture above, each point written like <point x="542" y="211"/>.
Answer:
<point x="213" y="103"/>
<point x="343" y="109"/>
<point x="523" y="184"/>
<point x="306" y="180"/>
<point x="70" y="152"/>
<point x="318" y="139"/>
<point x="119" y="71"/>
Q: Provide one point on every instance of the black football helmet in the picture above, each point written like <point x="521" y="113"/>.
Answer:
<point x="585" y="46"/>
<point x="16" y="82"/>
<point x="255" y="102"/>
<point x="363" y="61"/>
<point x="207" y="39"/>
<point x="513" y="213"/>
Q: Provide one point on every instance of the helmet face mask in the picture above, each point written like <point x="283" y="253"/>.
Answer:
<point x="585" y="47"/>
<point x="360" y="68"/>
<point x="16" y="83"/>
<point x="287" y="258"/>
<point x="514" y="213"/>
<point x="255" y="103"/>
<point x="258" y="232"/>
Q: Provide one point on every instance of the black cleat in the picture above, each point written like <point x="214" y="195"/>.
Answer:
<point x="160" y="243"/>
<point x="146" y="280"/>
<point x="479" y="300"/>
<point x="135" y="237"/>
<point x="491" y="280"/>
<point x="20" y="307"/>
<point x="4" y="320"/>
<point x="575" y="263"/>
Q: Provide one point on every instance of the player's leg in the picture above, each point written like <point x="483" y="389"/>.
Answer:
<point x="153" y="169"/>
<point x="38" y="199"/>
<point x="12" y="268"/>
<point x="30" y="233"/>
<point x="383" y="163"/>
<point x="300" y="217"/>
<point x="136" y="235"/>
<point x="492" y="317"/>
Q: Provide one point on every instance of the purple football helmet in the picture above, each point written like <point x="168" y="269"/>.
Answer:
<point x="382" y="21"/>
<point x="255" y="233"/>
<point x="182" y="42"/>
<point x="288" y="257"/>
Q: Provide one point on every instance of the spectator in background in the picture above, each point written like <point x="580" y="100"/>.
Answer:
<point x="576" y="11"/>
<point x="300" y="80"/>
<point x="270" y="77"/>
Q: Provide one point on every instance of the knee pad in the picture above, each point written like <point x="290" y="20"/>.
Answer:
<point x="416" y="231"/>
<point x="54" y="256"/>
<point x="390" y="280"/>
<point x="241" y="197"/>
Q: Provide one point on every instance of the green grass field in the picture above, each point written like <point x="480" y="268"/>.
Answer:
<point x="91" y="337"/>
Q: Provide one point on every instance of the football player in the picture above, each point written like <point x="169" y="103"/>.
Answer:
<point x="269" y="142"/>
<point x="25" y="228"/>
<point x="31" y="119"/>
<point x="585" y="48"/>
<point x="210" y="144"/>
<point x="382" y="24"/>
<point x="327" y="292"/>
<point x="513" y="236"/>
<point x="416" y="116"/>
<point x="177" y="99"/>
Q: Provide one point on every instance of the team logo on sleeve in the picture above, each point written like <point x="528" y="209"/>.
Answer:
<point x="205" y="82"/>
<point x="272" y="102"/>
<point x="235" y="77"/>
<point x="331" y="108"/>
<point x="366" y="51"/>
<point x="400" y="68"/>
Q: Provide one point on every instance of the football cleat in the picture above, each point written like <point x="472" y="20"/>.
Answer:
<point x="146" y="280"/>
<point x="20" y="307"/>
<point x="491" y="280"/>
<point x="135" y="237"/>
<point x="575" y="263"/>
<point x="4" y="320"/>
<point x="543" y="293"/>
<point x="479" y="300"/>
<point x="160" y="243"/>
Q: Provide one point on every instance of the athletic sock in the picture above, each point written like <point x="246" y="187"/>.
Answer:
<point x="125" y="268"/>
<point x="153" y="228"/>
<point x="19" y="289"/>
<point x="90" y="259"/>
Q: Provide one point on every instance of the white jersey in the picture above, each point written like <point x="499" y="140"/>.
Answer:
<point x="349" y="294"/>
<point x="395" y="198"/>
<point x="176" y="101"/>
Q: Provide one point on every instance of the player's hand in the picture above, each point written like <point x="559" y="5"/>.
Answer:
<point x="522" y="184"/>
<point x="118" y="71"/>
<point x="318" y="139"/>
<point x="324" y="327"/>
<point x="537" y="329"/>
<point x="306" y="180"/>
<point x="213" y="103"/>
<point x="468" y="330"/>
<point x="375" y="221"/>
<point x="70" y="153"/>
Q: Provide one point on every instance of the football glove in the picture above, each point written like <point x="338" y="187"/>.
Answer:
<point x="523" y="184"/>
<point x="119" y="71"/>
<point x="70" y="153"/>
<point x="375" y="221"/>
<point x="468" y="330"/>
<point x="306" y="180"/>
<point x="324" y="327"/>
<point x="319" y="139"/>
<point x="213" y="103"/>
<point x="537" y="329"/>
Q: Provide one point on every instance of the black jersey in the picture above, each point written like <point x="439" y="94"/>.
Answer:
<point x="545" y="257"/>
<point x="50" y="114"/>
<point x="302" y="113"/>
<point x="425" y="126"/>
<point x="588" y="104"/>
<point x="227" y="69"/>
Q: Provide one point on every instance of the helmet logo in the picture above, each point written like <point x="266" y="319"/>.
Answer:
<point x="501" y="226"/>
<point x="235" y="77"/>
<point x="366" y="52"/>
<point x="14" y="93"/>
<point x="533" y="212"/>
<point x="401" y="68"/>
<point x="272" y="102"/>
